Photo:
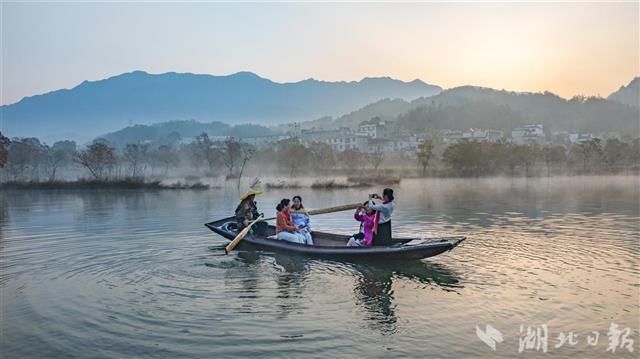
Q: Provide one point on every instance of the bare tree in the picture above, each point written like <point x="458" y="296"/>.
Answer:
<point x="527" y="155"/>
<point x="25" y="154"/>
<point x="59" y="155"/>
<point x="247" y="155"/>
<point x="352" y="159"/>
<point x="425" y="153"/>
<point x="376" y="157"/>
<point x="292" y="156"/>
<point x="614" y="151"/>
<point x="135" y="155"/>
<point x="587" y="150"/>
<point x="167" y="157"/>
<point x="553" y="154"/>
<point x="322" y="156"/>
<point x="232" y="154"/>
<point x="18" y="158"/>
<point x="204" y="150"/>
<point x="97" y="158"/>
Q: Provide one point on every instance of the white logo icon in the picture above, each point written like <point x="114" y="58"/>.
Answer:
<point x="489" y="336"/>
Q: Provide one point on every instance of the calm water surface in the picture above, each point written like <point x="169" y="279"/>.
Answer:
<point x="136" y="274"/>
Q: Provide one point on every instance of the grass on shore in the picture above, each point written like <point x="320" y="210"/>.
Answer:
<point x="282" y="185"/>
<point x="374" y="180"/>
<point x="330" y="183"/>
<point x="84" y="183"/>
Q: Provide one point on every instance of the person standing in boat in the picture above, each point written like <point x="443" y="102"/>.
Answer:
<point x="285" y="231"/>
<point x="247" y="210"/>
<point x="384" y="210"/>
<point x="300" y="219"/>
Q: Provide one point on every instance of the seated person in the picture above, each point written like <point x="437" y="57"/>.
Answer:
<point x="300" y="219"/>
<point x="247" y="211"/>
<point x="367" y="218"/>
<point x="285" y="231"/>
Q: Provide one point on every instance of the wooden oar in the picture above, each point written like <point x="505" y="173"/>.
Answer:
<point x="345" y="207"/>
<point x="240" y="236"/>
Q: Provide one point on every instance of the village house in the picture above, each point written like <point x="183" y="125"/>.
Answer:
<point x="262" y="142"/>
<point x="450" y="136"/>
<point x="527" y="134"/>
<point x="480" y="135"/>
<point x="374" y="128"/>
<point x="340" y="140"/>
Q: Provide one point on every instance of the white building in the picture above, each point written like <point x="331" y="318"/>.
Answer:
<point x="377" y="145"/>
<point x="407" y="143"/>
<point x="349" y="142"/>
<point x="575" y="138"/>
<point x="374" y="129"/>
<point x="308" y="137"/>
<point x="528" y="134"/>
<point x="450" y="136"/>
<point x="340" y="140"/>
<point x="262" y="142"/>
<point x="480" y="135"/>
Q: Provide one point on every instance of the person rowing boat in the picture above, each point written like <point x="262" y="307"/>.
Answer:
<point x="247" y="211"/>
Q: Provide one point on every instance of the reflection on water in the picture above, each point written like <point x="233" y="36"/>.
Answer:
<point x="372" y="285"/>
<point x="135" y="274"/>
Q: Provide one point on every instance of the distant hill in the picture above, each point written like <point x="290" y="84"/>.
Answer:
<point x="386" y="109"/>
<point x="469" y="106"/>
<point x="629" y="94"/>
<point x="173" y="131"/>
<point x="97" y="107"/>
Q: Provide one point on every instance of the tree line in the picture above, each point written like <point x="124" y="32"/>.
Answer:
<point x="27" y="159"/>
<point x="470" y="159"/>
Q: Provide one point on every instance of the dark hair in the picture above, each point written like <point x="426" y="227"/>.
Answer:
<point x="300" y="198"/>
<point x="388" y="192"/>
<point x="283" y="203"/>
<point x="366" y="203"/>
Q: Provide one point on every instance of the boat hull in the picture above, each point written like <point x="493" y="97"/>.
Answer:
<point x="334" y="245"/>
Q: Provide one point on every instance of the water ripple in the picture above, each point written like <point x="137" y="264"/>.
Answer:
<point x="136" y="274"/>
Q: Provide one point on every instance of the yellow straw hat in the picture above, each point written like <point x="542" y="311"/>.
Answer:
<point x="249" y="193"/>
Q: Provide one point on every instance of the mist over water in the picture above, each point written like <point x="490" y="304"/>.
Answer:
<point x="136" y="274"/>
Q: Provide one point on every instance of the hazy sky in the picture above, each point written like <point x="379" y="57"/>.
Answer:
<point x="566" y="48"/>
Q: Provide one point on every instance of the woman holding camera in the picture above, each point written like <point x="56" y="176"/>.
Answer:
<point x="384" y="210"/>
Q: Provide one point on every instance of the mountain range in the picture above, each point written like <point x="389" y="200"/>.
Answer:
<point x="96" y="107"/>
<point x="187" y="104"/>
<point x="629" y="94"/>
<point x="467" y="107"/>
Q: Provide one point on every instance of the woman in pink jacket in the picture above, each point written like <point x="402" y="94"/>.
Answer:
<point x="367" y="217"/>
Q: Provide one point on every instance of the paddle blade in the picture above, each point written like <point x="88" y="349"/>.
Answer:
<point x="240" y="236"/>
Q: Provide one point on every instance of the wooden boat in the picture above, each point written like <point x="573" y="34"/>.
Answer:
<point x="335" y="245"/>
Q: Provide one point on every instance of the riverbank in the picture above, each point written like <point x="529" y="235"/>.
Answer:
<point x="328" y="183"/>
<point x="334" y="182"/>
<point x="102" y="184"/>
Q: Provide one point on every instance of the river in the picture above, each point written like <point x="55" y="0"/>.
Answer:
<point x="136" y="274"/>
